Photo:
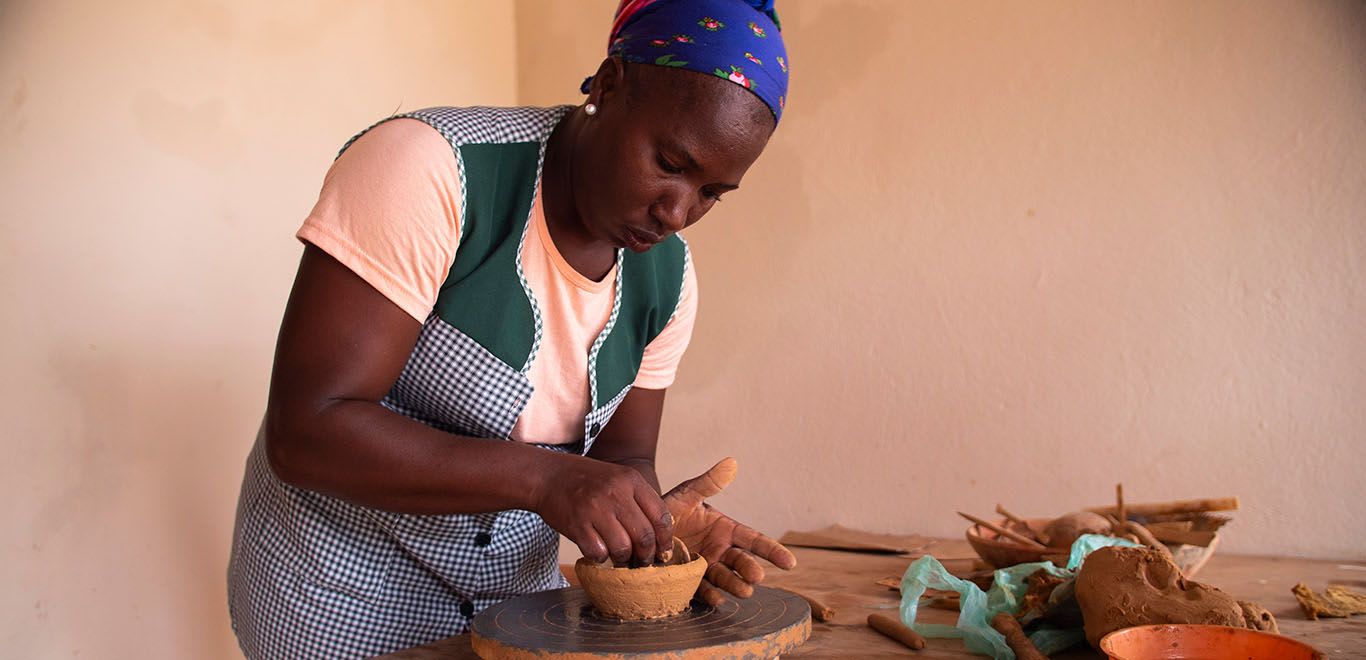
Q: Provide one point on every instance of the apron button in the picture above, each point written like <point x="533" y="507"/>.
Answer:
<point x="467" y="609"/>
<point x="482" y="539"/>
<point x="594" y="430"/>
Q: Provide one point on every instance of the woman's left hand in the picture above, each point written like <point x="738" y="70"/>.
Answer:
<point x="732" y="550"/>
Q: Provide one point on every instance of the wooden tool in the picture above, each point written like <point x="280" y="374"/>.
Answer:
<point x="1181" y="532"/>
<point x="1018" y="521"/>
<point x="819" y="611"/>
<point x="561" y="623"/>
<point x="896" y="630"/>
<point x="1181" y="506"/>
<point x="952" y="603"/>
<point x="1014" y="536"/>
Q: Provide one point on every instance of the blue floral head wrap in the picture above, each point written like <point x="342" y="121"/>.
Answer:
<point x="738" y="40"/>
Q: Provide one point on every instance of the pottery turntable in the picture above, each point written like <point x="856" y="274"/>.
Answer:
<point x="563" y="624"/>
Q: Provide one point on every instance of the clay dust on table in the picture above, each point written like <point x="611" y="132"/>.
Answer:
<point x="1336" y="601"/>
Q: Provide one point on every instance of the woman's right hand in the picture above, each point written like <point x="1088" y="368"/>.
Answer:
<point x="609" y="511"/>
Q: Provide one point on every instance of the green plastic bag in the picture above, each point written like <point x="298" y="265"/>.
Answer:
<point x="976" y="607"/>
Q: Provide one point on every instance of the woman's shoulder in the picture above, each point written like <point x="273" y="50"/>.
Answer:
<point x="490" y="123"/>
<point x="487" y="110"/>
<point x="446" y="125"/>
<point x="401" y="143"/>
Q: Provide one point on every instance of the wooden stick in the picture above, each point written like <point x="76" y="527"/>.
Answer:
<point x="1181" y="532"/>
<point x="1181" y="506"/>
<point x="1017" y="520"/>
<point x="894" y="629"/>
<point x="945" y="603"/>
<point x="1019" y="538"/>
<point x="1015" y="638"/>
<point x="1144" y="536"/>
<point x="819" y="611"/>
<point x="1199" y="521"/>
<point x="1119" y="503"/>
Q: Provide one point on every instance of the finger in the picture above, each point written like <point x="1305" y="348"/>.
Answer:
<point x="693" y="491"/>
<point x="721" y="576"/>
<point x="763" y="546"/>
<point x="642" y="534"/>
<point x="591" y="545"/>
<point x="709" y="594"/>
<point x="652" y="505"/>
<point x="744" y="564"/>
<point x="618" y="542"/>
<point x="716" y="540"/>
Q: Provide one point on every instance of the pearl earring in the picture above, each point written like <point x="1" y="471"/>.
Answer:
<point x="590" y="109"/>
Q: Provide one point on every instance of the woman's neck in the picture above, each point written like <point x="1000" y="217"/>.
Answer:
<point x="591" y="257"/>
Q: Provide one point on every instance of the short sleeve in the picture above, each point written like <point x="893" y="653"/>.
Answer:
<point x="389" y="211"/>
<point x="662" y="355"/>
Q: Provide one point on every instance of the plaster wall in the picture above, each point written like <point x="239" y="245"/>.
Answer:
<point x="1019" y="252"/>
<point x="155" y="160"/>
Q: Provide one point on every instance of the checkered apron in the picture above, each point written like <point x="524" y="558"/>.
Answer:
<point x="312" y="576"/>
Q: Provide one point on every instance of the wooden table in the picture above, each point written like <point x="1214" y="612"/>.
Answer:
<point x="846" y="581"/>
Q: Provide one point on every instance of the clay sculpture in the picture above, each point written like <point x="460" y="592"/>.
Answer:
<point x="1119" y="587"/>
<point x="648" y="592"/>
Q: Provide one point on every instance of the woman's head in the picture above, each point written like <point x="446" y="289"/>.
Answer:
<point x="667" y="138"/>
<point x="735" y="40"/>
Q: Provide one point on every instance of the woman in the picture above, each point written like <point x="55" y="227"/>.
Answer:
<point x="514" y="274"/>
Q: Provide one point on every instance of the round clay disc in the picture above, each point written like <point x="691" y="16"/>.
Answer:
<point x="562" y="624"/>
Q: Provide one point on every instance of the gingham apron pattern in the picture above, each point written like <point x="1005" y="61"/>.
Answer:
<point x="599" y="415"/>
<point x="484" y="125"/>
<point x="329" y="580"/>
<point x="314" y="576"/>
<point x="452" y="383"/>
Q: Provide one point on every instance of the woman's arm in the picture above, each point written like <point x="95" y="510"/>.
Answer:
<point x="342" y="345"/>
<point x="632" y="436"/>
<point x="732" y="549"/>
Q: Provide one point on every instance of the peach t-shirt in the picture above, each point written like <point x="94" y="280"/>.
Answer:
<point x="389" y="211"/>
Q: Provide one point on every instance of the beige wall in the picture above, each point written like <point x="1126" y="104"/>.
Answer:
<point x="996" y="252"/>
<point x="155" y="158"/>
<point x="1019" y="252"/>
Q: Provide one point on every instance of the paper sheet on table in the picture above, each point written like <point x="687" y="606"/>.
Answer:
<point x="836" y="537"/>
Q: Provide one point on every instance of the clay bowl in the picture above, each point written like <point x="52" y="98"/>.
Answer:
<point x="1191" y="558"/>
<point x="649" y="592"/>
<point x="1190" y="641"/>
<point x="1003" y="552"/>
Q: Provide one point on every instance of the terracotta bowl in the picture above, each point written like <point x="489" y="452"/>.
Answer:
<point x="1003" y="552"/>
<point x="1190" y="641"/>
<point x="649" y="592"/>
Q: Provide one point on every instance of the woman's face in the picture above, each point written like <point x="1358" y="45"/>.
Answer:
<point x="663" y="148"/>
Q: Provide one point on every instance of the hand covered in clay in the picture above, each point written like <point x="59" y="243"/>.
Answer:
<point x="608" y="510"/>
<point x="732" y="550"/>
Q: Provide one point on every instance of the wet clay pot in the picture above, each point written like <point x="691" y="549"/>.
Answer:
<point x="648" y="592"/>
